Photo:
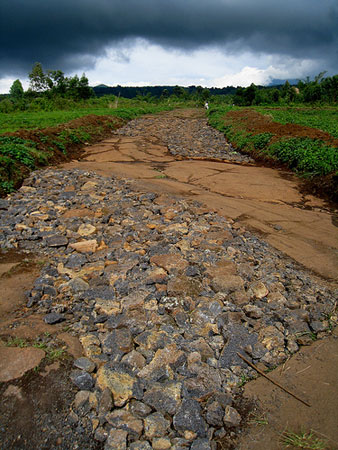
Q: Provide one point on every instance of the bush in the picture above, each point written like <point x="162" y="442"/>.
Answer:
<point x="309" y="156"/>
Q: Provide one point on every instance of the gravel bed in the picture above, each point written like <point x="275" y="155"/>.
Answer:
<point x="187" y="138"/>
<point x="162" y="294"/>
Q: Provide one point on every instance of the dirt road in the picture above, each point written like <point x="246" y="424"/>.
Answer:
<point x="265" y="200"/>
<point x="143" y="254"/>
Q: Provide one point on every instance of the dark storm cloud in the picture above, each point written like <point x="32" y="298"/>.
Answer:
<point x="71" y="34"/>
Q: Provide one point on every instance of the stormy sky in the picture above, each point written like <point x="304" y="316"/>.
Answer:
<point x="147" y="42"/>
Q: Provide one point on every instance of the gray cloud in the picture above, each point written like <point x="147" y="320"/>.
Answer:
<point x="71" y="34"/>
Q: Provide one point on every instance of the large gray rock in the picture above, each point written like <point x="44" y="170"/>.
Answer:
<point x="189" y="418"/>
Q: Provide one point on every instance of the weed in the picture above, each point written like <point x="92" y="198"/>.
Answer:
<point x="19" y="149"/>
<point x="7" y="186"/>
<point x="51" y="353"/>
<point x="17" y="342"/>
<point x="309" y="156"/>
<point x="61" y="146"/>
<point x="41" y="345"/>
<point x="257" y="420"/>
<point x="244" y="379"/>
<point x="304" y="440"/>
<point x="311" y="334"/>
<point x="261" y="140"/>
<point x="161" y="176"/>
<point x="55" y="353"/>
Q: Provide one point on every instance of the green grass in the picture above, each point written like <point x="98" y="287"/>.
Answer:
<point x="10" y="122"/>
<point x="258" y="420"/>
<point x="303" y="440"/>
<point x="52" y="352"/>
<point x="325" y="118"/>
<point x="17" y="342"/>
<point x="22" y="150"/>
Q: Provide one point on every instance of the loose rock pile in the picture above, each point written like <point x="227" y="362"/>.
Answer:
<point x="163" y="294"/>
<point x="188" y="138"/>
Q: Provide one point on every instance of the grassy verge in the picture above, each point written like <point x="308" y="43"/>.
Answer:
<point x="311" y="152"/>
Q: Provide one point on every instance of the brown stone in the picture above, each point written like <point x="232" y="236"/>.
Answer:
<point x="119" y="381"/>
<point x="117" y="440"/>
<point x="157" y="275"/>
<point x="85" y="246"/>
<point x="121" y="418"/>
<point x="183" y="285"/>
<point x="231" y="417"/>
<point x="258" y="290"/>
<point x="163" y="357"/>
<point x="14" y="362"/>
<point x="134" y="359"/>
<point x="91" y="345"/>
<point x="73" y="344"/>
<point x="170" y="262"/>
<point x="227" y="284"/>
<point x="78" y="212"/>
<point x="86" y="229"/>
<point x="89" y="186"/>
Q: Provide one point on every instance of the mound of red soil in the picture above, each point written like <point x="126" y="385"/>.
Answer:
<point x="257" y="123"/>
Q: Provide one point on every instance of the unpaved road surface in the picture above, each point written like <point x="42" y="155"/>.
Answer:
<point x="124" y="301"/>
<point x="177" y="153"/>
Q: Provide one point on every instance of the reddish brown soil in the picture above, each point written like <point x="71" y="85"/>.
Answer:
<point x="311" y="374"/>
<point x="257" y="123"/>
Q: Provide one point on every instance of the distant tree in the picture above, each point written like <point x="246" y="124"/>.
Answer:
<point x="179" y="91"/>
<point x="319" y="78"/>
<point x="16" y="91"/>
<point x="205" y="94"/>
<point x="57" y="82"/>
<point x="199" y="90"/>
<point x="38" y="79"/>
<point x="312" y="92"/>
<point x="330" y="89"/>
<point x="274" y="95"/>
<point x="78" y="88"/>
<point x="250" y="94"/>
<point x="84" y="90"/>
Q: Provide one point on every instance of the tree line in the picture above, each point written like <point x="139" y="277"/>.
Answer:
<point x="319" y="90"/>
<point x="53" y="90"/>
